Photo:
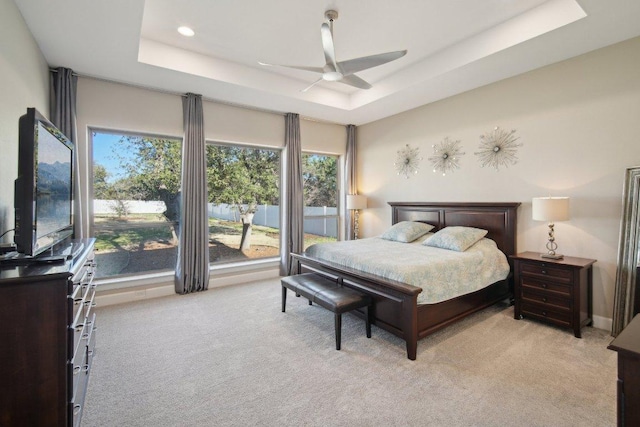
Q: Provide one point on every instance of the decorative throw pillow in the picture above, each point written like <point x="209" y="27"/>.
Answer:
<point x="456" y="238"/>
<point x="407" y="231"/>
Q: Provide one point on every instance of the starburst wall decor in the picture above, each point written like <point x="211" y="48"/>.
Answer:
<point x="498" y="148"/>
<point x="446" y="156"/>
<point x="407" y="161"/>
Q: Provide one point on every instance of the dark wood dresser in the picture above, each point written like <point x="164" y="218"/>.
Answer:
<point x="554" y="291"/>
<point x="627" y="344"/>
<point x="47" y="339"/>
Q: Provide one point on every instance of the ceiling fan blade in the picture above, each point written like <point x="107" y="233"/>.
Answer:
<point x="295" y="67"/>
<point x="358" y="64"/>
<point x="355" y="81"/>
<point x="327" y="45"/>
<point x="311" y="85"/>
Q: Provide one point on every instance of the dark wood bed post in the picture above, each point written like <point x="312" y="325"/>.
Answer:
<point x="410" y="326"/>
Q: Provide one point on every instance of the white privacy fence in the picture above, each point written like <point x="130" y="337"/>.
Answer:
<point x="269" y="216"/>
<point x="266" y="215"/>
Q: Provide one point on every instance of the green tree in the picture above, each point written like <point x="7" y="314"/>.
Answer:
<point x="101" y="187"/>
<point x="245" y="178"/>
<point x="153" y="172"/>
<point x="319" y="175"/>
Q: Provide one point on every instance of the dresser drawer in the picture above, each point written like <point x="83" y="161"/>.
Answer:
<point x="542" y="270"/>
<point x="548" y="300"/>
<point x="547" y="313"/>
<point x="547" y="287"/>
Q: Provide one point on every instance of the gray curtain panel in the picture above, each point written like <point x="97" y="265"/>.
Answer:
<point x="292" y="205"/>
<point x="192" y="266"/>
<point x="62" y="109"/>
<point x="350" y="173"/>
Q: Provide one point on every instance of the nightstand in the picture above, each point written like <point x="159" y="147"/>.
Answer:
<point x="554" y="291"/>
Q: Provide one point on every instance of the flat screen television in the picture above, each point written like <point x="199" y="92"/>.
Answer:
<point x="44" y="187"/>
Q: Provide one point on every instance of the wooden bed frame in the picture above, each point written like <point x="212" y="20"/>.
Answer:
<point x="395" y="307"/>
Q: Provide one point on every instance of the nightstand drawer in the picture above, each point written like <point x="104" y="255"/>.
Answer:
<point x="546" y="313"/>
<point x="548" y="287"/>
<point x="542" y="270"/>
<point x="550" y="301"/>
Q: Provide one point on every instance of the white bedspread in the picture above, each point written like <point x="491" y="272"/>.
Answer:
<point x="440" y="273"/>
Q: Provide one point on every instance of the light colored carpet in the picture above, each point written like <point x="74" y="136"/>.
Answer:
<point x="230" y="357"/>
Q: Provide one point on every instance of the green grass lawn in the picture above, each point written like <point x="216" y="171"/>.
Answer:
<point x="131" y="233"/>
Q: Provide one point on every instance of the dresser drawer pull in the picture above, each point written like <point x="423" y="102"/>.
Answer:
<point x="76" y="409"/>
<point x="544" y="299"/>
<point x="90" y="353"/>
<point x="544" y="313"/>
<point x="84" y="336"/>
<point x="544" y="272"/>
<point x="79" y="327"/>
<point x="544" y="285"/>
<point x="76" y="370"/>
<point x="77" y="301"/>
<point x="85" y="368"/>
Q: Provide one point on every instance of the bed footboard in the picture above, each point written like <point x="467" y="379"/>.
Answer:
<point x="394" y="303"/>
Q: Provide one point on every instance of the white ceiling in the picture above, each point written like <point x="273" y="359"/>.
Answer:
<point x="453" y="46"/>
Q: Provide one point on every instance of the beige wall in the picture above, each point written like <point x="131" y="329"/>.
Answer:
<point x="24" y="83"/>
<point x="579" y="123"/>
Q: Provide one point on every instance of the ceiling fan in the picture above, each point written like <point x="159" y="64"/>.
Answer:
<point x="342" y="71"/>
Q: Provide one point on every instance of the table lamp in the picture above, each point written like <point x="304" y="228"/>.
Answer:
<point x="551" y="209"/>
<point x="355" y="202"/>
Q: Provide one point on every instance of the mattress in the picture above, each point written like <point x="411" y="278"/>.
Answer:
<point x="442" y="274"/>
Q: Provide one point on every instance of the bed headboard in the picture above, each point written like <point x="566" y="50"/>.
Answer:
<point x="498" y="218"/>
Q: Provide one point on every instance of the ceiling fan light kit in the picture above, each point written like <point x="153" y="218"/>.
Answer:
<point x="342" y="71"/>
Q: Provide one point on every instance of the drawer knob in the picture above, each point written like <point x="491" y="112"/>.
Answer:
<point x="544" y="299"/>
<point x="76" y="409"/>
<point x="544" y="271"/>
<point x="76" y="370"/>
<point x="544" y="313"/>
<point x="544" y="285"/>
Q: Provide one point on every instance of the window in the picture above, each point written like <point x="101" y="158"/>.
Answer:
<point x="244" y="202"/>
<point x="136" y="190"/>
<point x="320" y="185"/>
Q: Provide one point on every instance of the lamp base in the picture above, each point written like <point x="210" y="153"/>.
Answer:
<point x="552" y="256"/>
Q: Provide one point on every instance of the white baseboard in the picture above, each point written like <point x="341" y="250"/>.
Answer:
<point x="602" y="322"/>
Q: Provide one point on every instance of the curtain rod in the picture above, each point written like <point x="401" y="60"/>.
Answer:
<point x="55" y="70"/>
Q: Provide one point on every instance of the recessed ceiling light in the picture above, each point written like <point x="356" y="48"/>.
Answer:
<point x="186" y="31"/>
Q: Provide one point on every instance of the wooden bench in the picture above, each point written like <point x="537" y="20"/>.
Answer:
<point x="328" y="294"/>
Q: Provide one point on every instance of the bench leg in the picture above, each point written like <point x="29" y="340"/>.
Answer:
<point x="284" y="298"/>
<point x="367" y="319"/>
<point x="338" y="322"/>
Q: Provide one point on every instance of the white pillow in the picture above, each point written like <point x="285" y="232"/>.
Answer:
<point x="407" y="231"/>
<point x="456" y="238"/>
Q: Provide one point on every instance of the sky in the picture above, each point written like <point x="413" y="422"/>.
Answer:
<point x="105" y="145"/>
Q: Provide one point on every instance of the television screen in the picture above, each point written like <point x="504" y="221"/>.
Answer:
<point x="53" y="186"/>
<point x="43" y="189"/>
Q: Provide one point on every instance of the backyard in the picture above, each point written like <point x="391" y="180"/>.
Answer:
<point x="140" y="243"/>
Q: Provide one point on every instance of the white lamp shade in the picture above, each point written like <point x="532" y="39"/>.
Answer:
<point x="550" y="209"/>
<point x="356" y="201"/>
